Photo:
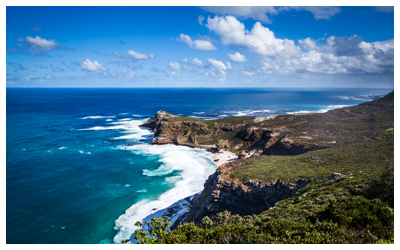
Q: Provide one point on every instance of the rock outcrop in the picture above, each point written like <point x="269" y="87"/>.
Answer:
<point x="222" y="193"/>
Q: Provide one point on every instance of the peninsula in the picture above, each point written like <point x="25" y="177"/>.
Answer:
<point x="302" y="178"/>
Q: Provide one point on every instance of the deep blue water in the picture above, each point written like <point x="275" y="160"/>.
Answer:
<point x="76" y="160"/>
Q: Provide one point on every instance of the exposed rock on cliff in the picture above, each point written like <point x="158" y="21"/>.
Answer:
<point x="221" y="192"/>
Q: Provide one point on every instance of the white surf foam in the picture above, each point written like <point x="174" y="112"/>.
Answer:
<point x="323" y="110"/>
<point x="248" y="112"/>
<point x="361" y="97"/>
<point x="97" y="117"/>
<point x="127" y="126"/>
<point x="194" y="166"/>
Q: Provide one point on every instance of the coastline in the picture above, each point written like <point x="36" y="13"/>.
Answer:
<point x="179" y="210"/>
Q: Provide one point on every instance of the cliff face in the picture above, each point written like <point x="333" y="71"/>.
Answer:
<point x="253" y="185"/>
<point x="245" y="134"/>
<point x="221" y="193"/>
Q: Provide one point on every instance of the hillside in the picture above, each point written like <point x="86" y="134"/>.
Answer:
<point x="312" y="178"/>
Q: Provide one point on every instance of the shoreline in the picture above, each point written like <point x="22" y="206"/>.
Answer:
<point x="224" y="156"/>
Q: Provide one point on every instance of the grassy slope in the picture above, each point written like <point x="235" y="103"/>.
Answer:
<point x="356" y="208"/>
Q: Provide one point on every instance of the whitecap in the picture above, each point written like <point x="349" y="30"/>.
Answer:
<point x="98" y="117"/>
<point x="361" y="97"/>
<point x="323" y="110"/>
<point x="63" y="147"/>
<point x="198" y="113"/>
<point x="248" y="112"/>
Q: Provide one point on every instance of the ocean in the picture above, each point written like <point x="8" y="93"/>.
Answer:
<point x="80" y="170"/>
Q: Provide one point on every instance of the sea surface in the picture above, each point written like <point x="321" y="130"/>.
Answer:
<point x="80" y="170"/>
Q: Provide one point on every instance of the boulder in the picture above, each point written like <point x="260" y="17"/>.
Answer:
<point x="242" y="154"/>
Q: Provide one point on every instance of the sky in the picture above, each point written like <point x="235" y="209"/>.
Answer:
<point x="294" y="47"/>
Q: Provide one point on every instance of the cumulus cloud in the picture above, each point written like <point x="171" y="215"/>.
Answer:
<point x="195" y="62"/>
<point x="36" y="45"/>
<point x="94" y="66"/>
<point x="175" y="66"/>
<point x="260" y="40"/>
<point x="308" y="44"/>
<point x="333" y="55"/>
<point x="200" y="20"/>
<point x="347" y="47"/>
<point x="140" y="56"/>
<point x="196" y="44"/>
<point x="264" y="13"/>
<point x="237" y="57"/>
<point x="134" y="55"/>
<point x="217" y="64"/>
<point x="338" y="56"/>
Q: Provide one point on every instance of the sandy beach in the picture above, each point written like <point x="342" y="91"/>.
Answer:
<point x="223" y="157"/>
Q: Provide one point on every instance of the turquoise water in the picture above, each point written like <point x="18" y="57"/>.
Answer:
<point x="79" y="170"/>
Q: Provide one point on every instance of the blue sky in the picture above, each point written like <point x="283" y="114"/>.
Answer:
<point x="200" y="47"/>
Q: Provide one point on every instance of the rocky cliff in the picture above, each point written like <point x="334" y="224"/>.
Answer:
<point x="224" y="193"/>
<point x="279" y="166"/>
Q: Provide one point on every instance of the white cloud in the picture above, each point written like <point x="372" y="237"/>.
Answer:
<point x="200" y="20"/>
<point x="255" y="12"/>
<point x="140" y="56"/>
<point x="94" y="66"/>
<point x="228" y="65"/>
<point x="126" y="74"/>
<point x="218" y="73"/>
<point x="260" y="40"/>
<point x="337" y="56"/>
<point x="237" y="57"/>
<point x="308" y="44"/>
<point x="38" y="78"/>
<point x="217" y="64"/>
<point x="319" y="12"/>
<point x="175" y="66"/>
<point x="196" y="44"/>
<point x="263" y="13"/>
<point x="203" y="45"/>
<point x="196" y="62"/>
<point x="36" y="45"/>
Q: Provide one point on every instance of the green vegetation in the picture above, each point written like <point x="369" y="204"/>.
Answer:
<point x="357" y="206"/>
<point x="323" y="212"/>
<point x="353" y="157"/>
